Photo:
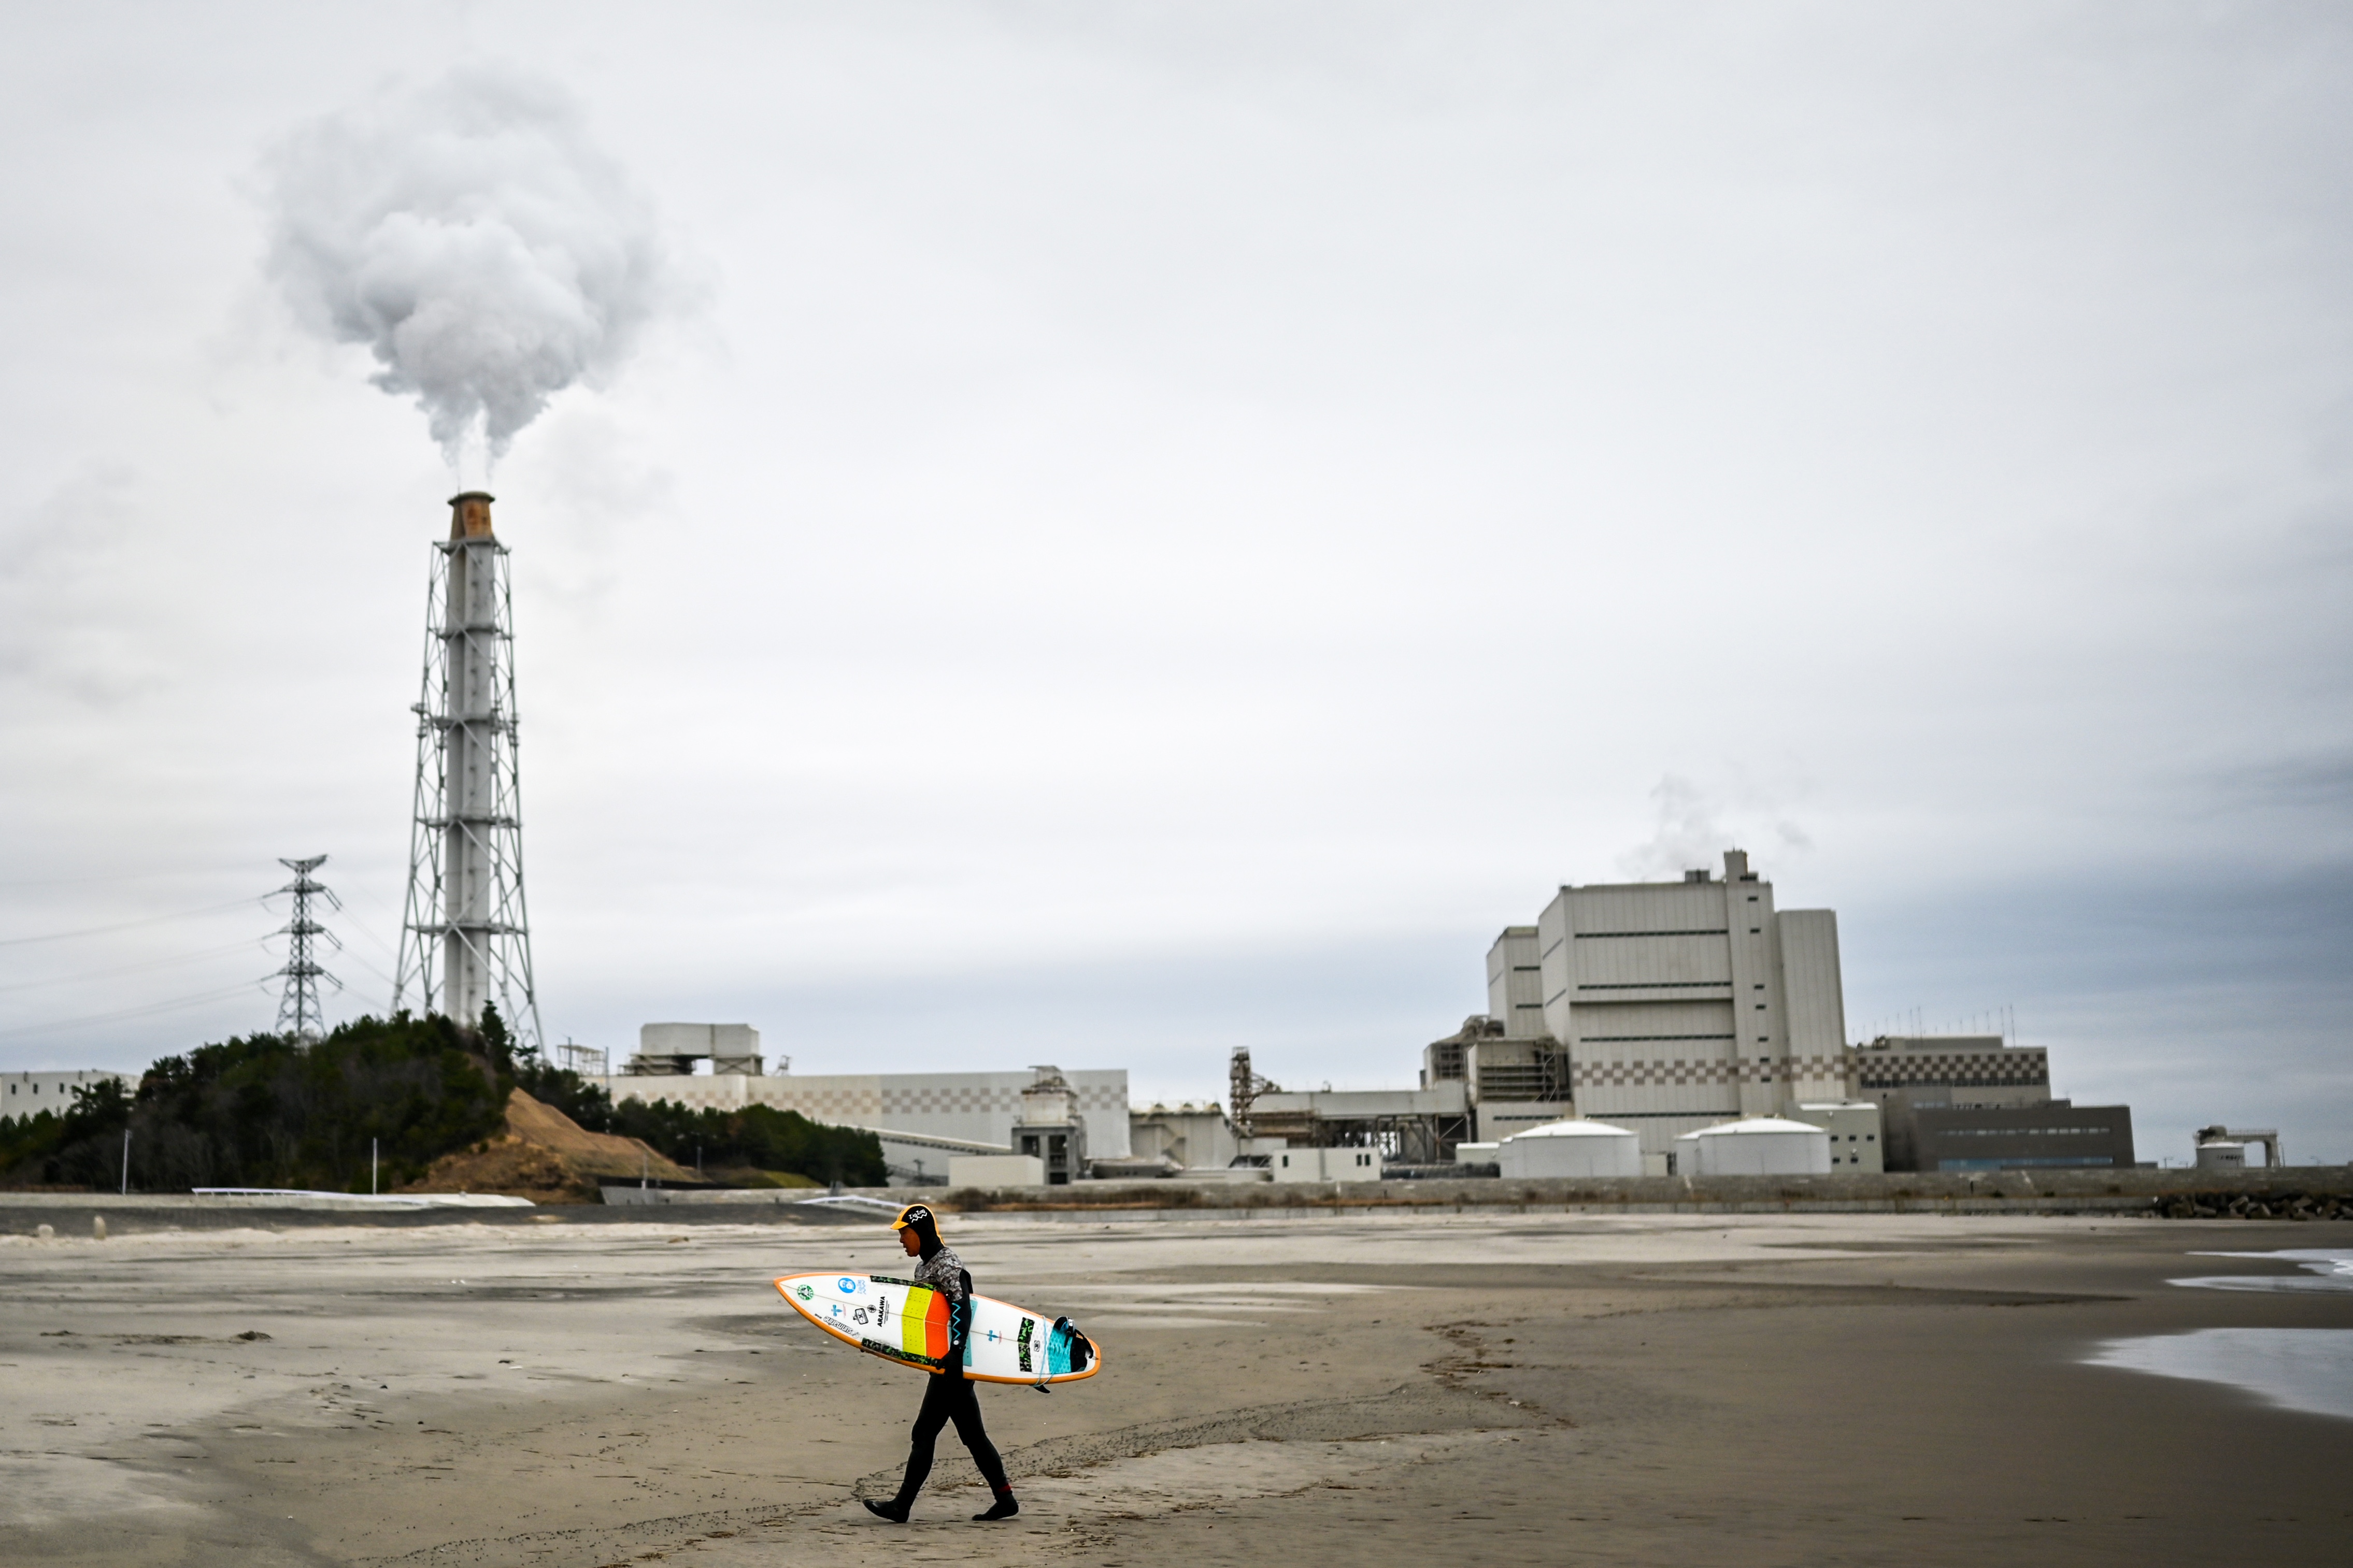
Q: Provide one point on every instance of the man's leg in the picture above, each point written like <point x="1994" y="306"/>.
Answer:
<point x="965" y="1412"/>
<point x="939" y="1403"/>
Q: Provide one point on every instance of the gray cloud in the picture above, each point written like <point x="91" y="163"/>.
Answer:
<point x="64" y="630"/>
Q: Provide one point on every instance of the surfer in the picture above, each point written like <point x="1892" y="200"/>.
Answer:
<point x="950" y="1396"/>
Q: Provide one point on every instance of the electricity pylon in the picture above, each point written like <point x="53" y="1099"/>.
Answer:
<point x="299" y="1013"/>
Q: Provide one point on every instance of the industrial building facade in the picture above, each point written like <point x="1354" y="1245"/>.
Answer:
<point x="2056" y="1135"/>
<point x="30" y="1094"/>
<point x="967" y="1109"/>
<point x="1975" y="1102"/>
<point x="1667" y="1006"/>
<point x="1902" y="1073"/>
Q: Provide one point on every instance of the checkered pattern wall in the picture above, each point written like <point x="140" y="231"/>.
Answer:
<point x="1896" y="1069"/>
<point x="945" y="1100"/>
<point x="1682" y="1074"/>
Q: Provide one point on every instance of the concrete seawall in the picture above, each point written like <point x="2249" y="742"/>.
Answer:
<point x="2008" y="1192"/>
<point x="2155" y="1194"/>
<point x="2012" y="1192"/>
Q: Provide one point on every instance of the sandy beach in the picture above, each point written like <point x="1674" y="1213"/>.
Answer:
<point x="1567" y="1388"/>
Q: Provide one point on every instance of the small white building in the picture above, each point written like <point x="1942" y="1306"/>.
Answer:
<point x="1759" y="1146"/>
<point x="1571" y="1149"/>
<point x="1854" y="1127"/>
<point x="2218" y="1154"/>
<point x="920" y="1159"/>
<point x="30" y="1094"/>
<point x="1326" y="1165"/>
<point x="996" y="1171"/>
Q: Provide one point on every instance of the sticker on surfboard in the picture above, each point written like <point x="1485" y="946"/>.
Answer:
<point x="901" y="1320"/>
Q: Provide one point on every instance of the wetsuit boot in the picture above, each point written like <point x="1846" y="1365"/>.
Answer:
<point x="1003" y="1508"/>
<point x="894" y="1510"/>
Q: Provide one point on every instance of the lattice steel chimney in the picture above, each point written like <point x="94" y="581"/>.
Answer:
<point x="465" y="938"/>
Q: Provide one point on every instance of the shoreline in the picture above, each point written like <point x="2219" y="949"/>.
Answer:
<point x="2156" y="1193"/>
<point x="1489" y="1388"/>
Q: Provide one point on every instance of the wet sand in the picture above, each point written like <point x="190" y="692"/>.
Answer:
<point x="1468" y="1389"/>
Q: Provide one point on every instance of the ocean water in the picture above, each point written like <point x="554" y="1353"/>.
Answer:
<point x="2325" y="1270"/>
<point x="2296" y="1369"/>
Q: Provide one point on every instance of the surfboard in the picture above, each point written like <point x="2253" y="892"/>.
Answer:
<point x="901" y="1320"/>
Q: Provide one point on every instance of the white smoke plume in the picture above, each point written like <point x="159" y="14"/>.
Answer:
<point x="1695" y="827"/>
<point x="468" y="234"/>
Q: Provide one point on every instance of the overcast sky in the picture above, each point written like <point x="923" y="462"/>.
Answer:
<point x="1143" y="529"/>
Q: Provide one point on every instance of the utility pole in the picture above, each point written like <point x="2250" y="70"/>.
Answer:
<point x="298" y="1011"/>
<point x="371" y="1143"/>
<point x="126" y="1162"/>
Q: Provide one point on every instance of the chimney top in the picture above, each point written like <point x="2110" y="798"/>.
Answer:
<point x="470" y="515"/>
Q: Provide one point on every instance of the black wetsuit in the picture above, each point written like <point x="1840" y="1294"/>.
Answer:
<point x="950" y="1396"/>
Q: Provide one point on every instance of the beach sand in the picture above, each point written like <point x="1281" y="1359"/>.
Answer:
<point x="1458" y="1389"/>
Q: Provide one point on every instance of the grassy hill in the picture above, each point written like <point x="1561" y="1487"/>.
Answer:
<point x="427" y="1095"/>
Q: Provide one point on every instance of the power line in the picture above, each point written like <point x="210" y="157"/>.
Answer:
<point x="179" y="871"/>
<point x="368" y="930"/>
<point x="371" y="968"/>
<point x="126" y="1012"/>
<point x="131" y="968"/>
<point x="127" y="925"/>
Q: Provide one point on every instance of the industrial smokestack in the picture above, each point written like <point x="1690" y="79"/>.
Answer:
<point x="465" y="932"/>
<point x="470" y="515"/>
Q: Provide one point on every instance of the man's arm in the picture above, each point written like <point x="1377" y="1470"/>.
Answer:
<point x="960" y="1321"/>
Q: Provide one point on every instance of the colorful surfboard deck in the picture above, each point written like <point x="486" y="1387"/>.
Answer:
<point x="901" y="1320"/>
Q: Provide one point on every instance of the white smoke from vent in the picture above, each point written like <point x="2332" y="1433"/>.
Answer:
<point x="1694" y="827"/>
<point x="468" y="234"/>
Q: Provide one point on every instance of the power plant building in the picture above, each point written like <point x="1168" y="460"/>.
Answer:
<point x="1663" y="1006"/>
<point x="1901" y="1073"/>
<point x="942" y="1115"/>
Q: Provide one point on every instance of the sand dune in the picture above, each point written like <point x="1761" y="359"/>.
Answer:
<point x="546" y="1156"/>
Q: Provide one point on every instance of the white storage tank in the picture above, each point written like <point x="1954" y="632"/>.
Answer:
<point x="1570" y="1149"/>
<point x="2218" y="1154"/>
<point x="1760" y="1146"/>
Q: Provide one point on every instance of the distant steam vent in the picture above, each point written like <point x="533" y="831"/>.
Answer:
<point x="465" y="932"/>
